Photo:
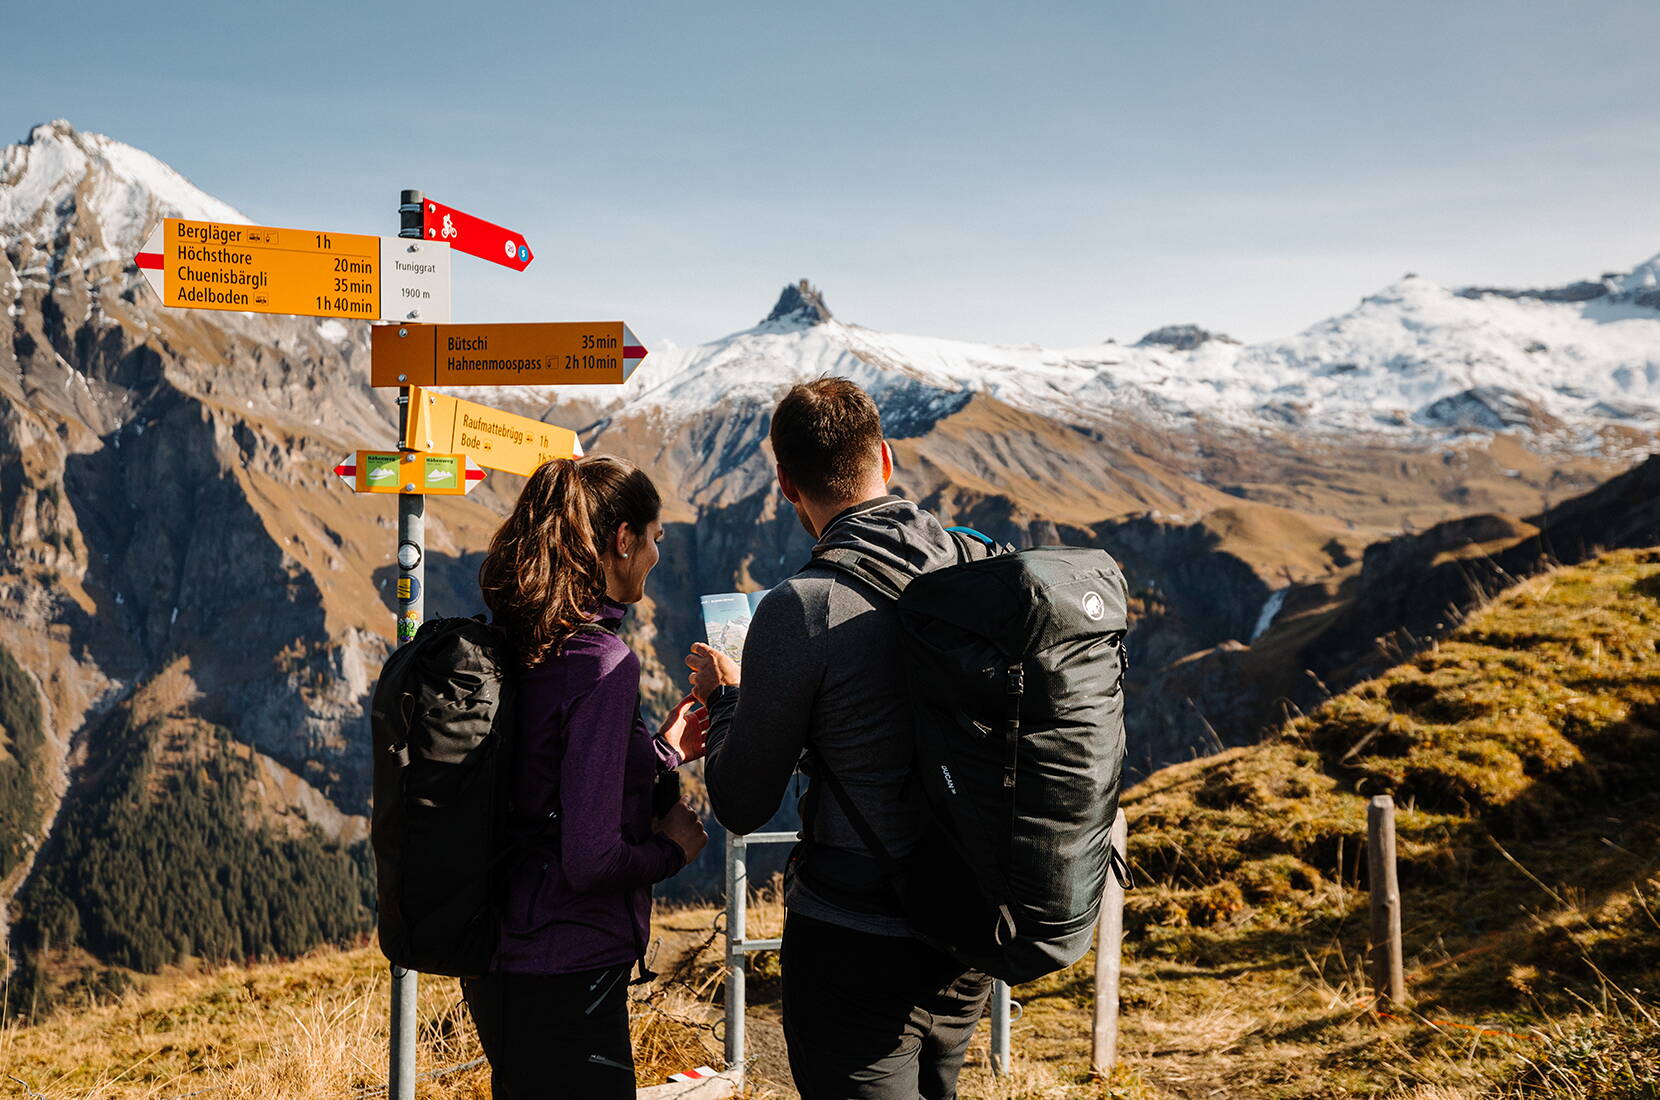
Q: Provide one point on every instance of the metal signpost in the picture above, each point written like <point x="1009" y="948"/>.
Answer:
<point x="400" y="1079"/>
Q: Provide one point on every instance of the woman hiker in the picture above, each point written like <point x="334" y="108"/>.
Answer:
<point x="552" y="1014"/>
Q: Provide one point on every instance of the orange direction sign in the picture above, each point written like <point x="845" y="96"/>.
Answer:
<point x="549" y="354"/>
<point x="403" y="472"/>
<point x="497" y="439"/>
<point x="261" y="269"/>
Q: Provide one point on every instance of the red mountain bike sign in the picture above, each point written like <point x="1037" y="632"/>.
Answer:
<point x="474" y="236"/>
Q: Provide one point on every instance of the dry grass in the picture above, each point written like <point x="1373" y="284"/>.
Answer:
<point x="312" y="1029"/>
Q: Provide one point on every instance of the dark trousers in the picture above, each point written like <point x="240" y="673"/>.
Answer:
<point x="871" y="1017"/>
<point x="555" y="1036"/>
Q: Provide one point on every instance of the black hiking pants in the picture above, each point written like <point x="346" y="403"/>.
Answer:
<point x="870" y="1017"/>
<point x="555" y="1036"/>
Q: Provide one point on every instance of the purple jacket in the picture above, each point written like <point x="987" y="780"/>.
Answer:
<point x="584" y="764"/>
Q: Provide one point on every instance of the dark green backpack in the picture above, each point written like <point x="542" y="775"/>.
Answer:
<point x="1016" y="662"/>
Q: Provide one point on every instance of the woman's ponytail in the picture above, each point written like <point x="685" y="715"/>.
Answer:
<point x="542" y="577"/>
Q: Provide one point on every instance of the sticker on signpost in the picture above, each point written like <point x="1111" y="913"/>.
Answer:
<point x="442" y="471"/>
<point x="382" y="470"/>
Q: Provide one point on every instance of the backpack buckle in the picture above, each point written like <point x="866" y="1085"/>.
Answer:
<point x="1017" y="679"/>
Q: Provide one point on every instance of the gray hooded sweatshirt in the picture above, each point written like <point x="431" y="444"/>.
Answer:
<point x="822" y="667"/>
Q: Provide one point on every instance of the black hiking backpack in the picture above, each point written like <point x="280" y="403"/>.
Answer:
<point x="1016" y="664"/>
<point x="441" y="720"/>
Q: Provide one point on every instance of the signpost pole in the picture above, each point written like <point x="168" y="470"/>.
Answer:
<point x="411" y="601"/>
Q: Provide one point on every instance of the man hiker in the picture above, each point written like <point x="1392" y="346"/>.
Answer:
<point x="870" y="1013"/>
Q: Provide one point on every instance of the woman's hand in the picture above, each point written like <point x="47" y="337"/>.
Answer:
<point x="710" y="669"/>
<point x="681" y="825"/>
<point x="686" y="730"/>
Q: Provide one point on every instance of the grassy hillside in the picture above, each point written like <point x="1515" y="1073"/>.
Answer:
<point x="1523" y="751"/>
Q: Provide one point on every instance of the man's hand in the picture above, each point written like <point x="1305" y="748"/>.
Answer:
<point x="681" y="825"/>
<point x="710" y="669"/>
<point x="686" y="729"/>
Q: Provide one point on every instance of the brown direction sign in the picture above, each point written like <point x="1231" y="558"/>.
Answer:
<point x="491" y="437"/>
<point x="561" y="353"/>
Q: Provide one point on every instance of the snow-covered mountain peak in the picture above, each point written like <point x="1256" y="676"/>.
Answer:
<point x="800" y="305"/>
<point x="60" y="170"/>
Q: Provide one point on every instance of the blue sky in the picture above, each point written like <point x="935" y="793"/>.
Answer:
<point x="1046" y="173"/>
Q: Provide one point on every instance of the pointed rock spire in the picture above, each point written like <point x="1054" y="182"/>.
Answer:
<point x="800" y="303"/>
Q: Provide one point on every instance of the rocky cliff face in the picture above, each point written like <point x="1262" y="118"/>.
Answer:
<point x="193" y="610"/>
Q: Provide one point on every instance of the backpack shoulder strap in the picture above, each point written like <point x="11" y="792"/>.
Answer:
<point x="971" y="545"/>
<point x="878" y="574"/>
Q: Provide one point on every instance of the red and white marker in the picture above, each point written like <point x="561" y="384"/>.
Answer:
<point x="698" y="1074"/>
<point x="475" y="236"/>
<point x="150" y="261"/>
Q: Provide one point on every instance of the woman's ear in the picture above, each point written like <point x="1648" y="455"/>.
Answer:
<point x="622" y="541"/>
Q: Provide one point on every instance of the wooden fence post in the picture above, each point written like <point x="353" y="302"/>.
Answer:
<point x="1388" y="972"/>
<point x="1109" y="957"/>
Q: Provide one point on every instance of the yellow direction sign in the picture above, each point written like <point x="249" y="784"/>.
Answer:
<point x="405" y="472"/>
<point x="497" y="439"/>
<point x="544" y="354"/>
<point x="262" y="269"/>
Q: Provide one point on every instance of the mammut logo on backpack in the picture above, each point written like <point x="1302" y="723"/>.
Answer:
<point x="1094" y="606"/>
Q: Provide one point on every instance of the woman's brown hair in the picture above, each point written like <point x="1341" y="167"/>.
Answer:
<point x="542" y="577"/>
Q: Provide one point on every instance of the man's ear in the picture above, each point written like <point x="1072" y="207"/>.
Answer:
<point x="887" y="462"/>
<point x="787" y="486"/>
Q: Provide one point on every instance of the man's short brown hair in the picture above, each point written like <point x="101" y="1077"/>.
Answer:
<point x="825" y="436"/>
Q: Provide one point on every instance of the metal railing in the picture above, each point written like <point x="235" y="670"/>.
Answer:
<point x="739" y="948"/>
